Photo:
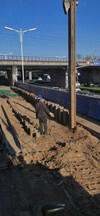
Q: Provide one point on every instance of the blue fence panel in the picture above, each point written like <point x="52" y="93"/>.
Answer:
<point x="53" y="95"/>
<point x="87" y="105"/>
<point x="94" y="108"/>
<point x="82" y="104"/>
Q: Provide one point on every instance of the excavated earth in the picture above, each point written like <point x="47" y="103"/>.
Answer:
<point x="62" y="167"/>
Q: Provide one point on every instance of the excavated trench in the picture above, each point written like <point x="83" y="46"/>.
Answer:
<point x="62" y="167"/>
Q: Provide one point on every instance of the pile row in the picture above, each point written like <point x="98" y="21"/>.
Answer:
<point x="25" y="121"/>
<point x="60" y="113"/>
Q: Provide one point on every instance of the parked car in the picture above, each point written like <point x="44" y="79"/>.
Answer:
<point x="77" y="84"/>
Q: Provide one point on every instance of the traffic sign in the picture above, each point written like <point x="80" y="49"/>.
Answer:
<point x="96" y="63"/>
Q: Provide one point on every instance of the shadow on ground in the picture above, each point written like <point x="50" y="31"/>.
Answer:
<point x="25" y="188"/>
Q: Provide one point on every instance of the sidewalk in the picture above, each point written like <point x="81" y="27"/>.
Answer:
<point x="89" y="125"/>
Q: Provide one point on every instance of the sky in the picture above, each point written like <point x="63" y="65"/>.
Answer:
<point x="51" y="36"/>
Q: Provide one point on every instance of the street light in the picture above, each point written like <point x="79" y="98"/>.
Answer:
<point x="20" y="32"/>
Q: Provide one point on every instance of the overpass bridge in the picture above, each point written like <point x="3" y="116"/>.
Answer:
<point x="10" y="60"/>
<point x="57" y="67"/>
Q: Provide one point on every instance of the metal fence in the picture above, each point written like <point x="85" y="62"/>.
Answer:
<point x="40" y="59"/>
<point x="33" y="58"/>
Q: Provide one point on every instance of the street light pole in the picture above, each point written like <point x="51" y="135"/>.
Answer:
<point x="21" y="44"/>
<point x="22" y="58"/>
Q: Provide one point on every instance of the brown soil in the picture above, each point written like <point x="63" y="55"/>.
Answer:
<point x="61" y="167"/>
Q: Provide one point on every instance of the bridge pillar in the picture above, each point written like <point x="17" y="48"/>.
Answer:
<point x="30" y="75"/>
<point x="9" y="75"/>
<point x="59" y="77"/>
<point x="66" y="78"/>
<point x="14" y="74"/>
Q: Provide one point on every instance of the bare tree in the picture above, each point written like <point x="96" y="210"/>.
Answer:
<point x="78" y="57"/>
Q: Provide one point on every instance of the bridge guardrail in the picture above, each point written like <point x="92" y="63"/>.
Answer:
<point x="38" y="58"/>
<point x="33" y="58"/>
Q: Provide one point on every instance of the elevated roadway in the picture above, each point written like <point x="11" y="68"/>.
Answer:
<point x="56" y="66"/>
<point x="35" y="60"/>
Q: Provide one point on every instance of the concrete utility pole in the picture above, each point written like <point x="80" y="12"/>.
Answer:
<point x="70" y="8"/>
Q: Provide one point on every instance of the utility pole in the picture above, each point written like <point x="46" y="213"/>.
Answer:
<point x="70" y="8"/>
